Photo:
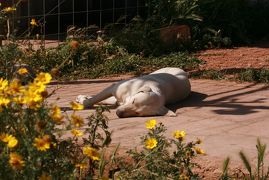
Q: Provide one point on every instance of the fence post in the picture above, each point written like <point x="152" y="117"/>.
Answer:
<point x="1" y="40"/>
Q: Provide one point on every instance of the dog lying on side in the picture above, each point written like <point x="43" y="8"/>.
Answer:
<point x="145" y="95"/>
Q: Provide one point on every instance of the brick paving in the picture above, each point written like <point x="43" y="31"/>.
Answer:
<point x="227" y="116"/>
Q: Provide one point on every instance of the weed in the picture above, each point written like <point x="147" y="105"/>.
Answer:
<point x="258" y="173"/>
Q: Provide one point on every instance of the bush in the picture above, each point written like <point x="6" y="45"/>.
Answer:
<point x="242" y="21"/>
<point x="10" y="55"/>
<point x="156" y="161"/>
<point x="31" y="142"/>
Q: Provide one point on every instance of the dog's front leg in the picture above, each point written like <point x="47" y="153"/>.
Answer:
<point x="90" y="101"/>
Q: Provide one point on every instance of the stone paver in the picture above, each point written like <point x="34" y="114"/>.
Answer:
<point x="227" y="116"/>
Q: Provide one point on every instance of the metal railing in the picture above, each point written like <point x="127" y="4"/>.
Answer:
<point x="55" y="16"/>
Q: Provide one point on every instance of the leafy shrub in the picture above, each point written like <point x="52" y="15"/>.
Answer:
<point x="242" y="21"/>
<point x="31" y="141"/>
<point x="155" y="160"/>
<point x="257" y="75"/>
<point x="10" y="55"/>
<point x="141" y="35"/>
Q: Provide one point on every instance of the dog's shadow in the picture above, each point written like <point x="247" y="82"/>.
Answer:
<point x="195" y="99"/>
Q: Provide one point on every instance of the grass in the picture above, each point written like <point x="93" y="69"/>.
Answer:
<point x="243" y="75"/>
<point x="134" y="64"/>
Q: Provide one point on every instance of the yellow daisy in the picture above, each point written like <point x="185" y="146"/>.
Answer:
<point x="75" y="106"/>
<point x="33" y="22"/>
<point x="4" y="102"/>
<point x="43" y="143"/>
<point x="56" y="114"/>
<point x="81" y="165"/>
<point x="179" y="134"/>
<point x="42" y="77"/>
<point x="77" y="132"/>
<point x="16" y="161"/>
<point x="22" y="71"/>
<point x="9" y="9"/>
<point x="9" y="139"/>
<point x="184" y="177"/>
<point x="15" y="87"/>
<point x="92" y="153"/>
<point x="12" y="142"/>
<point x="44" y="176"/>
<point x="77" y="120"/>
<point x="151" y="143"/>
<point x="3" y="84"/>
<point x="151" y="124"/>
<point x="199" y="150"/>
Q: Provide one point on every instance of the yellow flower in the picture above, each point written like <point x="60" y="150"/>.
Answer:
<point x="184" y="177"/>
<point x="44" y="176"/>
<point x="19" y="100"/>
<point x="4" y="102"/>
<point x="81" y="165"/>
<point x="3" y="84"/>
<point x="77" y="132"/>
<point x="77" y="120"/>
<point x="9" y="139"/>
<point x="91" y="153"/>
<point x="22" y="71"/>
<point x="76" y="106"/>
<point x="179" y="134"/>
<point x="16" y="161"/>
<point x="33" y="100"/>
<point x="56" y="114"/>
<point x="74" y="44"/>
<point x="15" y="87"/>
<point x="151" y="143"/>
<point x="33" y="22"/>
<point x="151" y="124"/>
<point x="199" y="150"/>
<point x="4" y="137"/>
<point x="199" y="141"/>
<point x="43" y="143"/>
<point x="36" y="87"/>
<point x="43" y="78"/>
<point x="12" y="142"/>
<point x="9" y="9"/>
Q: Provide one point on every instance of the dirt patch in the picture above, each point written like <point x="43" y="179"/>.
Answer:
<point x="235" y="58"/>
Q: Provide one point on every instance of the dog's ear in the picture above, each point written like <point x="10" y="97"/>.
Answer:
<point x="144" y="89"/>
<point x="163" y="111"/>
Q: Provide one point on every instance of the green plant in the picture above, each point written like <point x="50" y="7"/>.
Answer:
<point x="256" y="75"/>
<point x="31" y="134"/>
<point x="149" y="162"/>
<point x="10" y="56"/>
<point x="240" y="20"/>
<point x="163" y="12"/>
<point x="208" y="74"/>
<point x="258" y="173"/>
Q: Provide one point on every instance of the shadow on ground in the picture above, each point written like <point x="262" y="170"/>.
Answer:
<point x="228" y="102"/>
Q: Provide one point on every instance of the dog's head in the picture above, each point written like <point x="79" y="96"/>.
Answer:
<point x="144" y="103"/>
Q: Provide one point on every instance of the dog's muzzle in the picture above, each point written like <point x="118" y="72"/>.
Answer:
<point x="120" y="114"/>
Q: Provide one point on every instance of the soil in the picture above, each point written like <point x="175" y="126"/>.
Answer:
<point x="255" y="57"/>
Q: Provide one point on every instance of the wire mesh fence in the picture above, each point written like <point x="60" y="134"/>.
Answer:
<point x="55" y="16"/>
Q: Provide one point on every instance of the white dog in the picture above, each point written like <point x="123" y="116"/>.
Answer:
<point x="146" y="95"/>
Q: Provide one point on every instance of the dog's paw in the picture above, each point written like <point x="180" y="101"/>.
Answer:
<point x="81" y="99"/>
